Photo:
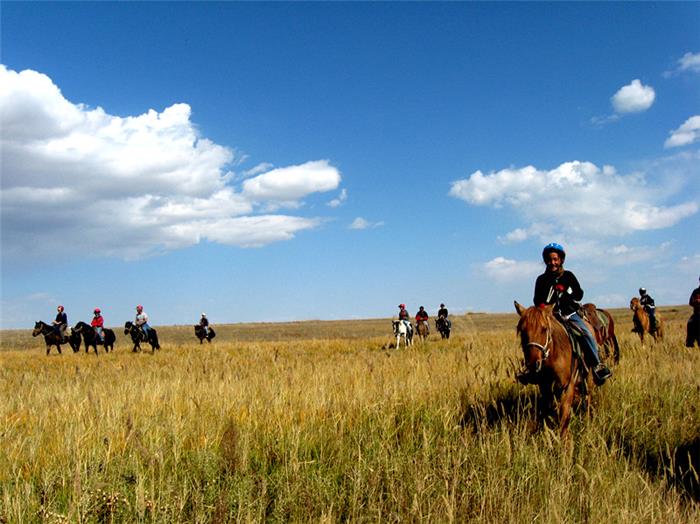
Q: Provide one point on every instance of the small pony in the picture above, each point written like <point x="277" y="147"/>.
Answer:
<point x="548" y="352"/>
<point x="642" y="324"/>
<point x="402" y="331"/>
<point x="202" y="335"/>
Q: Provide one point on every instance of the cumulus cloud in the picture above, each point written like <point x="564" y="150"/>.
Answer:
<point x="574" y="199"/>
<point x="633" y="98"/>
<point x="688" y="62"/>
<point x="507" y="270"/>
<point x="687" y="133"/>
<point x="132" y="186"/>
<point x="361" y="223"/>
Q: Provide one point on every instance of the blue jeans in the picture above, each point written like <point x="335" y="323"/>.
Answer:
<point x="145" y="328"/>
<point x="587" y="339"/>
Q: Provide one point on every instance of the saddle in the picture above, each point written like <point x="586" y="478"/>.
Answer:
<point x="575" y="335"/>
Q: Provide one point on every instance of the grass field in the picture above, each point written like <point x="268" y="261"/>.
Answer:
<point x="318" y="421"/>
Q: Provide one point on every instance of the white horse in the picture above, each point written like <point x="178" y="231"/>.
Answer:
<point x="402" y="330"/>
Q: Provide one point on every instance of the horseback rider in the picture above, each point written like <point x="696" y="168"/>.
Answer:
<point x="60" y="323"/>
<point x="98" y="323"/>
<point x="443" y="313"/>
<point x="204" y="322"/>
<point x="694" y="319"/>
<point x="142" y="320"/>
<point x="422" y="316"/>
<point x="405" y="317"/>
<point x="560" y="287"/>
<point x="648" y="303"/>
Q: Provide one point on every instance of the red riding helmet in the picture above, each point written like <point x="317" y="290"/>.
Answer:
<point x="60" y="308"/>
<point x="97" y="310"/>
<point x="139" y="307"/>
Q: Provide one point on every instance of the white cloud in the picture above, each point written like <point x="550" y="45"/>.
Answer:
<point x="687" y="133"/>
<point x="289" y="184"/>
<point x="361" y="223"/>
<point x="342" y="197"/>
<point x="574" y="199"/>
<point x="506" y="270"/>
<point x="633" y="98"/>
<point x="688" y="62"/>
<point x="74" y="177"/>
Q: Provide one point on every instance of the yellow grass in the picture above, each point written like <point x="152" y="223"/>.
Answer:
<point x="293" y="422"/>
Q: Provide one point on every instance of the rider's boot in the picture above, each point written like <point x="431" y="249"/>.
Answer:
<point x="527" y="376"/>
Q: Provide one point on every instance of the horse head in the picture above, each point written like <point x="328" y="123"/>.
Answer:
<point x="38" y="328"/>
<point x="535" y="330"/>
<point x="127" y="327"/>
<point x="635" y="304"/>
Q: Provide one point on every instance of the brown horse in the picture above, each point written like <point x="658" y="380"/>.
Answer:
<point x="604" y="329"/>
<point x="548" y="353"/>
<point x="642" y="324"/>
<point x="422" y="330"/>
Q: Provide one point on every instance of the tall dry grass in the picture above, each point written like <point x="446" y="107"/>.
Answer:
<point x="328" y="429"/>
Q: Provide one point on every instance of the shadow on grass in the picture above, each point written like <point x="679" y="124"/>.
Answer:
<point x="680" y="466"/>
<point x="511" y="406"/>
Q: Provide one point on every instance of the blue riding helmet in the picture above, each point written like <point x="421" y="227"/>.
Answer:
<point x="553" y="247"/>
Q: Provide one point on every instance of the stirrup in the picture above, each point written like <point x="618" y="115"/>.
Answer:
<point x="601" y="373"/>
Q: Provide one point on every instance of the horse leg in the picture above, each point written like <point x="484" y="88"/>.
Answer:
<point x="565" y="402"/>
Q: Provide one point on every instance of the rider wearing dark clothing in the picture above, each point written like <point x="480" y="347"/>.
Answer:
<point x="204" y="322"/>
<point x="422" y="316"/>
<point x="692" y="327"/>
<point x="648" y="303"/>
<point x="61" y="322"/>
<point x="560" y="287"/>
<point x="443" y="313"/>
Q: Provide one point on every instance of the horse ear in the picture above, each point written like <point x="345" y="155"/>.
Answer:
<point x="520" y="309"/>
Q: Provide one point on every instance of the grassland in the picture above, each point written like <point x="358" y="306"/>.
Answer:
<point x="318" y="421"/>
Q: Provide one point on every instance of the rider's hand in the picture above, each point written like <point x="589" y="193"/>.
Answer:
<point x="560" y="288"/>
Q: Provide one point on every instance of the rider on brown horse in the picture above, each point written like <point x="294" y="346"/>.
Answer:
<point x="648" y="304"/>
<point x="422" y="316"/>
<point x="560" y="287"/>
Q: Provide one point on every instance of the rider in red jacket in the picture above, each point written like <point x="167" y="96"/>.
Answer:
<point x="98" y="323"/>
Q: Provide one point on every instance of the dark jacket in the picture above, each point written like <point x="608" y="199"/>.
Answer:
<point x="204" y="322"/>
<point x="442" y="312"/>
<point x="646" y="301"/>
<point x="62" y="318"/>
<point x="422" y="315"/>
<point x="695" y="299"/>
<point x="565" y="302"/>
<point x="403" y="315"/>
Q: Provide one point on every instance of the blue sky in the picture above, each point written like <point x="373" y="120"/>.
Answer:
<point x="291" y="161"/>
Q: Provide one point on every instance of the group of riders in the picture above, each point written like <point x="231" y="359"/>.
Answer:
<point x="560" y="288"/>
<point x="60" y="323"/>
<point x="556" y="286"/>
<point x="422" y="317"/>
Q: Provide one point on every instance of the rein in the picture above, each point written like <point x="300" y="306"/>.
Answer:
<point x="545" y="349"/>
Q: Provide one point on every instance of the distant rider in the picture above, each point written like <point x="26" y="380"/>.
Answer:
<point x="61" y="322"/>
<point x="98" y="323"/>
<point x="443" y="313"/>
<point x="648" y="303"/>
<point x="204" y="322"/>
<point x="405" y="317"/>
<point x="422" y="316"/>
<point x="142" y="320"/>
<point x="560" y="287"/>
<point x="694" y="320"/>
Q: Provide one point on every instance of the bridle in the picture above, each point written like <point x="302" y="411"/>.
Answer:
<point x="543" y="348"/>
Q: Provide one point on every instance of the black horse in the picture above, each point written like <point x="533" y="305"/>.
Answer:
<point x="201" y="335"/>
<point x="138" y="336"/>
<point x="91" y="338"/>
<point x="443" y="326"/>
<point x="54" y="339"/>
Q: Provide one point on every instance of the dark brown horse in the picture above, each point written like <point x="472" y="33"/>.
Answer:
<point x="203" y="335"/>
<point x="51" y="338"/>
<point x="548" y="353"/>
<point x="604" y="330"/>
<point x="642" y="324"/>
